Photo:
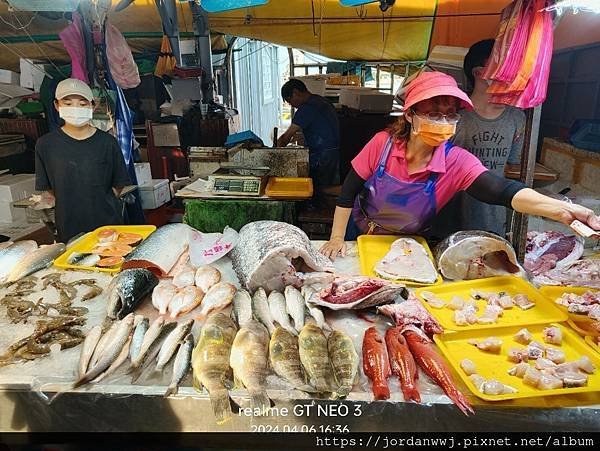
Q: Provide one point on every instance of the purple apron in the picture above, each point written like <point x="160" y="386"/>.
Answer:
<point x="388" y="205"/>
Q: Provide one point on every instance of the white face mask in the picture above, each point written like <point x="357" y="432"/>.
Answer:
<point x="76" y="116"/>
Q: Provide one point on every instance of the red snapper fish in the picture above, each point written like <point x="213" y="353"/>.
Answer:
<point x="376" y="364"/>
<point x="403" y="363"/>
<point x="435" y="367"/>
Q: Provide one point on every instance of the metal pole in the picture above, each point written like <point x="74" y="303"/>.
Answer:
<point x="203" y="47"/>
<point x="519" y="224"/>
<point x="168" y="15"/>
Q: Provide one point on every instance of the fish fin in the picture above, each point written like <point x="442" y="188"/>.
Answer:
<point x="306" y="388"/>
<point x="411" y="394"/>
<point x="172" y="390"/>
<point x="219" y="400"/>
<point x="196" y="383"/>
<point x="237" y="383"/>
<point x="81" y="381"/>
<point x="461" y="402"/>
<point x="260" y="400"/>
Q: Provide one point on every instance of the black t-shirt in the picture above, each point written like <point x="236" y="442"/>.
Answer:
<point x="82" y="174"/>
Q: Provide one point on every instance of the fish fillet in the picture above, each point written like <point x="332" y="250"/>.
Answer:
<point x="407" y="260"/>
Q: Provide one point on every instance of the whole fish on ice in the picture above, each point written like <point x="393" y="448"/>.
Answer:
<point x="314" y="356"/>
<point x="403" y="363"/>
<point x="284" y="356"/>
<point x="474" y="254"/>
<point x="435" y="367"/>
<point x="344" y="361"/>
<point x="279" y="311"/>
<point x="210" y="362"/>
<point x="172" y="342"/>
<point x="34" y="261"/>
<point x="294" y="302"/>
<point x="261" y="310"/>
<point x="242" y="307"/>
<point x="87" y="349"/>
<point x="161" y="250"/>
<point x="249" y="361"/>
<point x="272" y="254"/>
<point x="11" y="255"/>
<point x="182" y="363"/>
<point x="127" y="290"/>
<point x="376" y="364"/>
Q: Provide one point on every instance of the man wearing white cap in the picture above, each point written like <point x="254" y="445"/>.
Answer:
<point x="80" y="166"/>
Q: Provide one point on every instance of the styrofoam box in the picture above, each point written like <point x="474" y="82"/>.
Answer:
<point x="9" y="214"/>
<point x="155" y="194"/>
<point x="315" y="84"/>
<point x="9" y="77"/>
<point x="143" y="174"/>
<point x="16" y="187"/>
<point x="366" y="100"/>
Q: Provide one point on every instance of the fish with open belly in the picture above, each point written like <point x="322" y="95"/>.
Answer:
<point x="127" y="290"/>
<point x="249" y="361"/>
<point x="210" y="362"/>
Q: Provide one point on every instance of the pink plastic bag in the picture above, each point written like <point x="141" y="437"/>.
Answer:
<point x="72" y="39"/>
<point x="120" y="60"/>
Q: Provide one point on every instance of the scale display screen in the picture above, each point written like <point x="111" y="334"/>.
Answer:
<point x="249" y="186"/>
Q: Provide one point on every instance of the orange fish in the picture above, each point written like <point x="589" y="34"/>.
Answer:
<point x="403" y="364"/>
<point x="376" y="364"/>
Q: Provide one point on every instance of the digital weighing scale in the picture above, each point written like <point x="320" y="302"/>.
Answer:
<point x="241" y="181"/>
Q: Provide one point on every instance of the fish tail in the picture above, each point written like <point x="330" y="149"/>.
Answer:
<point x="260" y="400"/>
<point x="81" y="381"/>
<point x="172" y="390"/>
<point x="411" y="393"/>
<point x="381" y="390"/>
<point x="460" y="400"/>
<point x="306" y="388"/>
<point x="219" y="400"/>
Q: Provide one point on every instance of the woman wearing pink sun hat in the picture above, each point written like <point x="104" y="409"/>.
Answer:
<point x="407" y="173"/>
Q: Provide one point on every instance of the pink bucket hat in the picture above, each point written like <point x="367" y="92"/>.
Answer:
<point x="433" y="84"/>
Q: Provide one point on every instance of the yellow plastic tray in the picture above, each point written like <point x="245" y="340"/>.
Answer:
<point x="552" y="293"/>
<point x="583" y="329"/>
<point x="455" y="347"/>
<point x="290" y="187"/>
<point x="89" y="241"/>
<point x="372" y="248"/>
<point x="542" y="313"/>
<point x="593" y="343"/>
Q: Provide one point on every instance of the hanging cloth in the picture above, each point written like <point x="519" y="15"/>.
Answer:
<point x="120" y="60"/>
<point x="166" y="61"/>
<point x="73" y="39"/>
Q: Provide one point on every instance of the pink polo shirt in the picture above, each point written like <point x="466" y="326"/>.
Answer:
<point x="456" y="171"/>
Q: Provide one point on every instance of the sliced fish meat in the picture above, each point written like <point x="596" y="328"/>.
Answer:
<point x="206" y="277"/>
<point x="270" y="254"/>
<point x="161" y="250"/>
<point x="184" y="277"/>
<point x="407" y="260"/>
<point x="474" y="254"/>
<point x="162" y="295"/>
<point x="185" y="300"/>
<point x="358" y="292"/>
<point x="127" y="290"/>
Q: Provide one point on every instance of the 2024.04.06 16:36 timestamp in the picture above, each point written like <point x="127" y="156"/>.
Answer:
<point x="302" y="428"/>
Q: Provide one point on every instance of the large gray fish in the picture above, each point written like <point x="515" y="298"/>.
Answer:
<point x="210" y="362"/>
<point x="161" y="250"/>
<point x="172" y="342"/>
<point x="11" y="255"/>
<point x="261" y="310"/>
<point x="242" y="307"/>
<point x="315" y="357"/>
<point x="127" y="290"/>
<point x="268" y="253"/>
<point x="344" y="361"/>
<point x="249" y="361"/>
<point x="474" y="254"/>
<point x="34" y="261"/>
<point x="294" y="303"/>
<point x="181" y="367"/>
<point x="112" y="350"/>
<point x="279" y="311"/>
<point x="285" y="359"/>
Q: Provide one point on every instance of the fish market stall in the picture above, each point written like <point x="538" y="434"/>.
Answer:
<point x="51" y="378"/>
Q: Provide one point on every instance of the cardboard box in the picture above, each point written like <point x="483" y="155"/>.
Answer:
<point x="155" y="194"/>
<point x="366" y="100"/>
<point x="9" y="77"/>
<point x="9" y="214"/>
<point x="315" y="83"/>
<point x="32" y="73"/>
<point x="165" y="135"/>
<point x="143" y="174"/>
<point x="16" y="187"/>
